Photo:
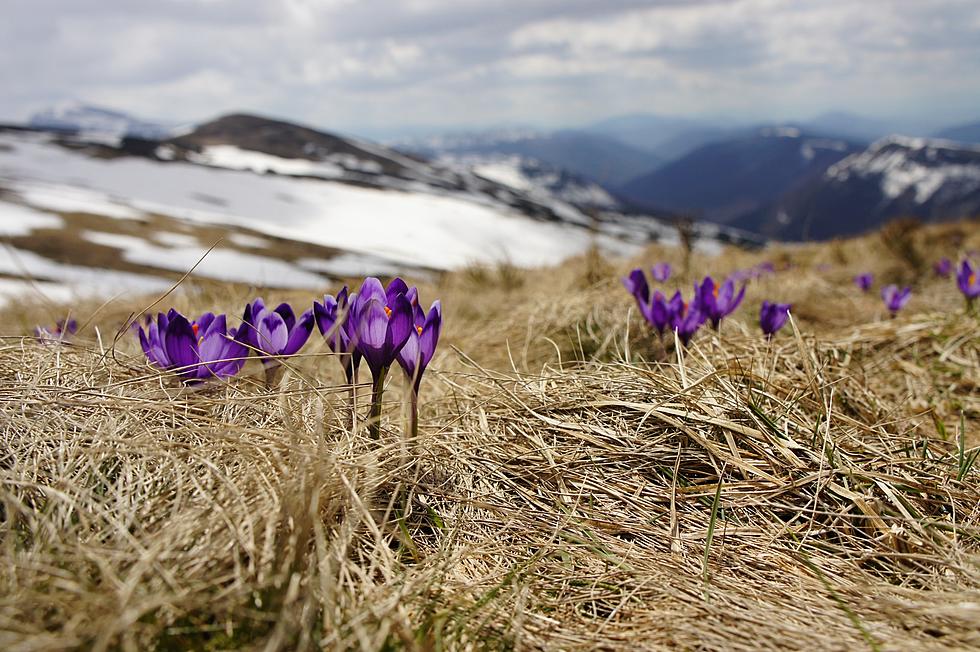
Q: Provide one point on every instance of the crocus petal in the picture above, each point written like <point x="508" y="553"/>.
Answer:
<point x="429" y="338"/>
<point x="660" y="272"/>
<point x="180" y="344"/>
<point x="204" y="322"/>
<point x="738" y="299"/>
<point x="410" y="356"/>
<point x="396" y="287"/>
<point x="636" y="284"/>
<point x="372" y="288"/>
<point x="273" y="334"/>
<point x="299" y="334"/>
<point x="400" y="325"/>
<point x="287" y="314"/>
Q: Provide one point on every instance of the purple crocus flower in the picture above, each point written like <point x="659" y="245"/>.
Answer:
<point x="864" y="281"/>
<point x="686" y="319"/>
<point x="275" y="332"/>
<point x="383" y="320"/>
<point x="334" y="323"/>
<point x="415" y="356"/>
<point x="195" y="350"/>
<point x="717" y="302"/>
<point x="63" y="331"/>
<point x="773" y="316"/>
<point x="661" y="272"/>
<point x="968" y="282"/>
<point x="943" y="267"/>
<point x="636" y="284"/>
<point x="659" y="311"/>
<point x="894" y="298"/>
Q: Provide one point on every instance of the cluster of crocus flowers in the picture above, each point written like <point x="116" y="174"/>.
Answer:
<point x="895" y="298"/>
<point x="772" y="317"/>
<point x="710" y="302"/>
<point x="63" y="331"/>
<point x="195" y="350"/>
<point x="379" y="325"/>
<point x="968" y="282"/>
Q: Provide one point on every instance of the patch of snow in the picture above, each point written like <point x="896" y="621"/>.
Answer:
<point x="780" y="132"/>
<point x="235" y="158"/>
<point x="220" y="264"/>
<point x="247" y="241"/>
<point x="351" y="264"/>
<point x="171" y="239"/>
<point x="503" y="172"/>
<point x="78" y="281"/>
<point x="13" y="291"/>
<point x="74" y="199"/>
<point x="16" y="219"/>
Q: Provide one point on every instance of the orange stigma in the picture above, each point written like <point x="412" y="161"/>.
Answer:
<point x="195" y="327"/>
<point x="714" y="291"/>
<point x="972" y="279"/>
<point x="419" y="329"/>
<point x="387" y="311"/>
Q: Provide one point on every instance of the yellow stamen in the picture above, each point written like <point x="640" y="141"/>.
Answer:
<point x="419" y="329"/>
<point x="387" y="311"/>
<point x="972" y="279"/>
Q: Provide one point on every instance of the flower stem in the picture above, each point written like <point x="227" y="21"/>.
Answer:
<point x="374" y="419"/>
<point x="414" y="422"/>
<point x="352" y="381"/>
<point x="273" y="374"/>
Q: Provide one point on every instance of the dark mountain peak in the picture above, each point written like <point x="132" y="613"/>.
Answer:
<point x="267" y="135"/>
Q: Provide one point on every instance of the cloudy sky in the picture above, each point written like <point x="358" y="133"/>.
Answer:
<point x="367" y="65"/>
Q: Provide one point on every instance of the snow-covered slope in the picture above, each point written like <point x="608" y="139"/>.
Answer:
<point x="916" y="168"/>
<point x="535" y="178"/>
<point x="896" y="176"/>
<point x="289" y="206"/>
<point x="96" y="123"/>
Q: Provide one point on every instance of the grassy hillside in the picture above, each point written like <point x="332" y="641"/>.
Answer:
<point x="573" y="485"/>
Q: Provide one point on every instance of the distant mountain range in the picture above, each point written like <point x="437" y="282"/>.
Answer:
<point x="723" y="180"/>
<point x="599" y="158"/>
<point x="894" y="177"/>
<point x="96" y="123"/>
<point x="783" y="181"/>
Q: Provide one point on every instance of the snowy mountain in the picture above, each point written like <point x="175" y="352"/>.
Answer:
<point x="537" y="179"/>
<point x="596" y="157"/>
<point x="894" y="177"/>
<point x="724" y="180"/>
<point x="95" y="123"/>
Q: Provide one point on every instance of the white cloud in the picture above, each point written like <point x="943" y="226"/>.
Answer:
<point x="346" y="63"/>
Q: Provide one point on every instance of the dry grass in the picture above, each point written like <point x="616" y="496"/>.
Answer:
<point x="571" y="488"/>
